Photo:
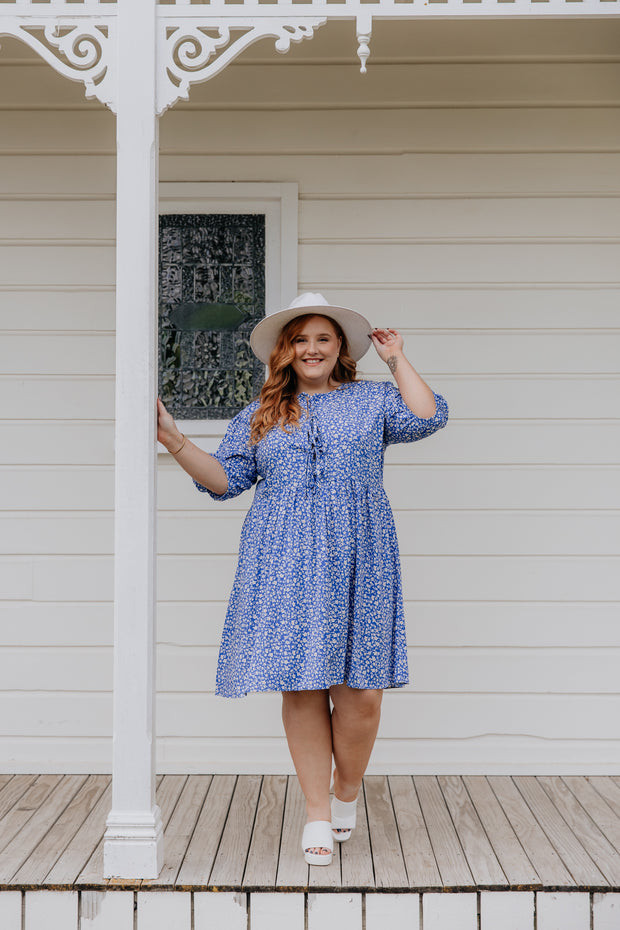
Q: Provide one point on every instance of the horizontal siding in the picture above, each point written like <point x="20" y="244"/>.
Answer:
<point x="406" y="716"/>
<point x="479" y="442"/>
<point x="463" y="352"/>
<point x="444" y="532"/>
<point x="445" y="669"/>
<point x="549" y="578"/>
<point x="466" y="197"/>
<point x="432" y="623"/>
<point x="480" y="395"/>
<point x="429" y="487"/>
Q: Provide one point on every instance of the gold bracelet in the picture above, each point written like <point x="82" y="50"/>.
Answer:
<point x="181" y="446"/>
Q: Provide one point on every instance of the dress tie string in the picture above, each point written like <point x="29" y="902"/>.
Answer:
<point x="315" y="451"/>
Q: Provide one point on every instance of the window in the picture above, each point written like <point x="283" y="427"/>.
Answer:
<point x="227" y="255"/>
<point x="211" y="295"/>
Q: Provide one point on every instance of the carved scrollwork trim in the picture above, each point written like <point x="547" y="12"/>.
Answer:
<point x="81" y="51"/>
<point x="195" y="52"/>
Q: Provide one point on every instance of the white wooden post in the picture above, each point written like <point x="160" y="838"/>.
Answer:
<point x="133" y="845"/>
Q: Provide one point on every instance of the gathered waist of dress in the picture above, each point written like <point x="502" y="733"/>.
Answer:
<point x="326" y="482"/>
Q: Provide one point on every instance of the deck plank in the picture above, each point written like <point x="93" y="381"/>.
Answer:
<point x="292" y="868"/>
<point x="449" y="855"/>
<point x="415" y="843"/>
<point x="608" y="789"/>
<point x="25" y="807"/>
<point x="10" y="795"/>
<point x="203" y="845"/>
<point x="568" y="847"/>
<point x="39" y="822"/>
<point x="51" y="846"/>
<point x="230" y="860"/>
<point x="518" y="869"/>
<point x="181" y="825"/>
<point x="598" y="847"/>
<point x="390" y="871"/>
<point x="598" y="809"/>
<point x="481" y="858"/>
<point x="261" y="868"/>
<point x="83" y="844"/>
<point x="541" y="853"/>
<point x="356" y="859"/>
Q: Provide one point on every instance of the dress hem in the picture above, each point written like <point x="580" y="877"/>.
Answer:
<point x="324" y="687"/>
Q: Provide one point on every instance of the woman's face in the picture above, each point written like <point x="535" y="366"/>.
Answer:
<point x="317" y="347"/>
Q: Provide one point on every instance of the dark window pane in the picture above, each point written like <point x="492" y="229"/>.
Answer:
<point x="211" y="295"/>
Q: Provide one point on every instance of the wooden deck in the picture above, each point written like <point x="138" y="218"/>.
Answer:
<point x="242" y="833"/>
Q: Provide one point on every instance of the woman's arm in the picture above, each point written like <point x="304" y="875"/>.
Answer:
<point x="202" y="467"/>
<point x="413" y="389"/>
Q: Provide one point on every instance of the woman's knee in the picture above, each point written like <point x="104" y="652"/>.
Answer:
<point x="357" y="703"/>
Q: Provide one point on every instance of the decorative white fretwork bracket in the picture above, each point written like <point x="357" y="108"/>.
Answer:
<point x="197" y="49"/>
<point x="81" y="48"/>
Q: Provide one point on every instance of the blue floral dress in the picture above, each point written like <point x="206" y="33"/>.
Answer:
<point x="317" y="595"/>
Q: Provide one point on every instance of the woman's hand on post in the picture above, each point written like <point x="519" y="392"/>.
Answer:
<point x="199" y="465"/>
<point x="168" y="432"/>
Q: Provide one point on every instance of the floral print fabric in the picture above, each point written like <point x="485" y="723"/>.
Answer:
<point x="317" y="597"/>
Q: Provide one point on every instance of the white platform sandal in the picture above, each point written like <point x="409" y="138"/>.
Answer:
<point x="343" y="819"/>
<point x="317" y="835"/>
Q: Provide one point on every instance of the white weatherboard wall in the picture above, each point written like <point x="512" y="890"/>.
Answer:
<point x="466" y="191"/>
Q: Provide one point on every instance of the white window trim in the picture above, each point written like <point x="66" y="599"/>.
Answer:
<point x="279" y="203"/>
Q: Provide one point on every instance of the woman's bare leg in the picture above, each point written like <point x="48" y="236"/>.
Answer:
<point x="307" y="724"/>
<point x="354" y="723"/>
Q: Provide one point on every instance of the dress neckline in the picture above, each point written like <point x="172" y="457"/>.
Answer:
<point x="323" y="393"/>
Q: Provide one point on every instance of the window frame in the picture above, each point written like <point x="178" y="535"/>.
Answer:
<point x="278" y="202"/>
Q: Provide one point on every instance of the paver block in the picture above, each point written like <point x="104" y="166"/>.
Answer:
<point x="11" y="910"/>
<point x="277" y="911"/>
<point x="606" y="911"/>
<point x="392" y="912"/>
<point x="507" y="910"/>
<point x="220" y="910"/>
<point x="563" y="910"/>
<point x="51" y="910"/>
<point x="331" y="911"/>
<point x="106" y="910"/>
<point x="164" y="910"/>
<point x="443" y="911"/>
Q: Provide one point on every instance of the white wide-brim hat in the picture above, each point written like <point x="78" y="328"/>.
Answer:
<point x="356" y="327"/>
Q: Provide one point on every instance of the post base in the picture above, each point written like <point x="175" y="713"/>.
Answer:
<point x="133" y="845"/>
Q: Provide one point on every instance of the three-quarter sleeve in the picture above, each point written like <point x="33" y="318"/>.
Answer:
<point x="401" y="425"/>
<point x="236" y="456"/>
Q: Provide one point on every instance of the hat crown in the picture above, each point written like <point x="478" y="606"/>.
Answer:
<point x="308" y="300"/>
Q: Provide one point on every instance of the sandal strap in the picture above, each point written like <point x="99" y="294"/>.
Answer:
<point x="343" y="814"/>
<point x="317" y="834"/>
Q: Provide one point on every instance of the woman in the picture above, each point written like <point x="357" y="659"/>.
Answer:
<point x="316" y="609"/>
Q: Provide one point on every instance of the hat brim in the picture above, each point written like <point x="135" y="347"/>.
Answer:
<point x="356" y="328"/>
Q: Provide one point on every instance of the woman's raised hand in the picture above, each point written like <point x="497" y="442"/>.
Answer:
<point x="168" y="432"/>
<point x="387" y="342"/>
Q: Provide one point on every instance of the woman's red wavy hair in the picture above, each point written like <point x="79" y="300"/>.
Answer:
<point x="278" y="402"/>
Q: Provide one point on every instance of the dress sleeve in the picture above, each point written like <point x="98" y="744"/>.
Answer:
<point x="401" y="425"/>
<point x="236" y="456"/>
